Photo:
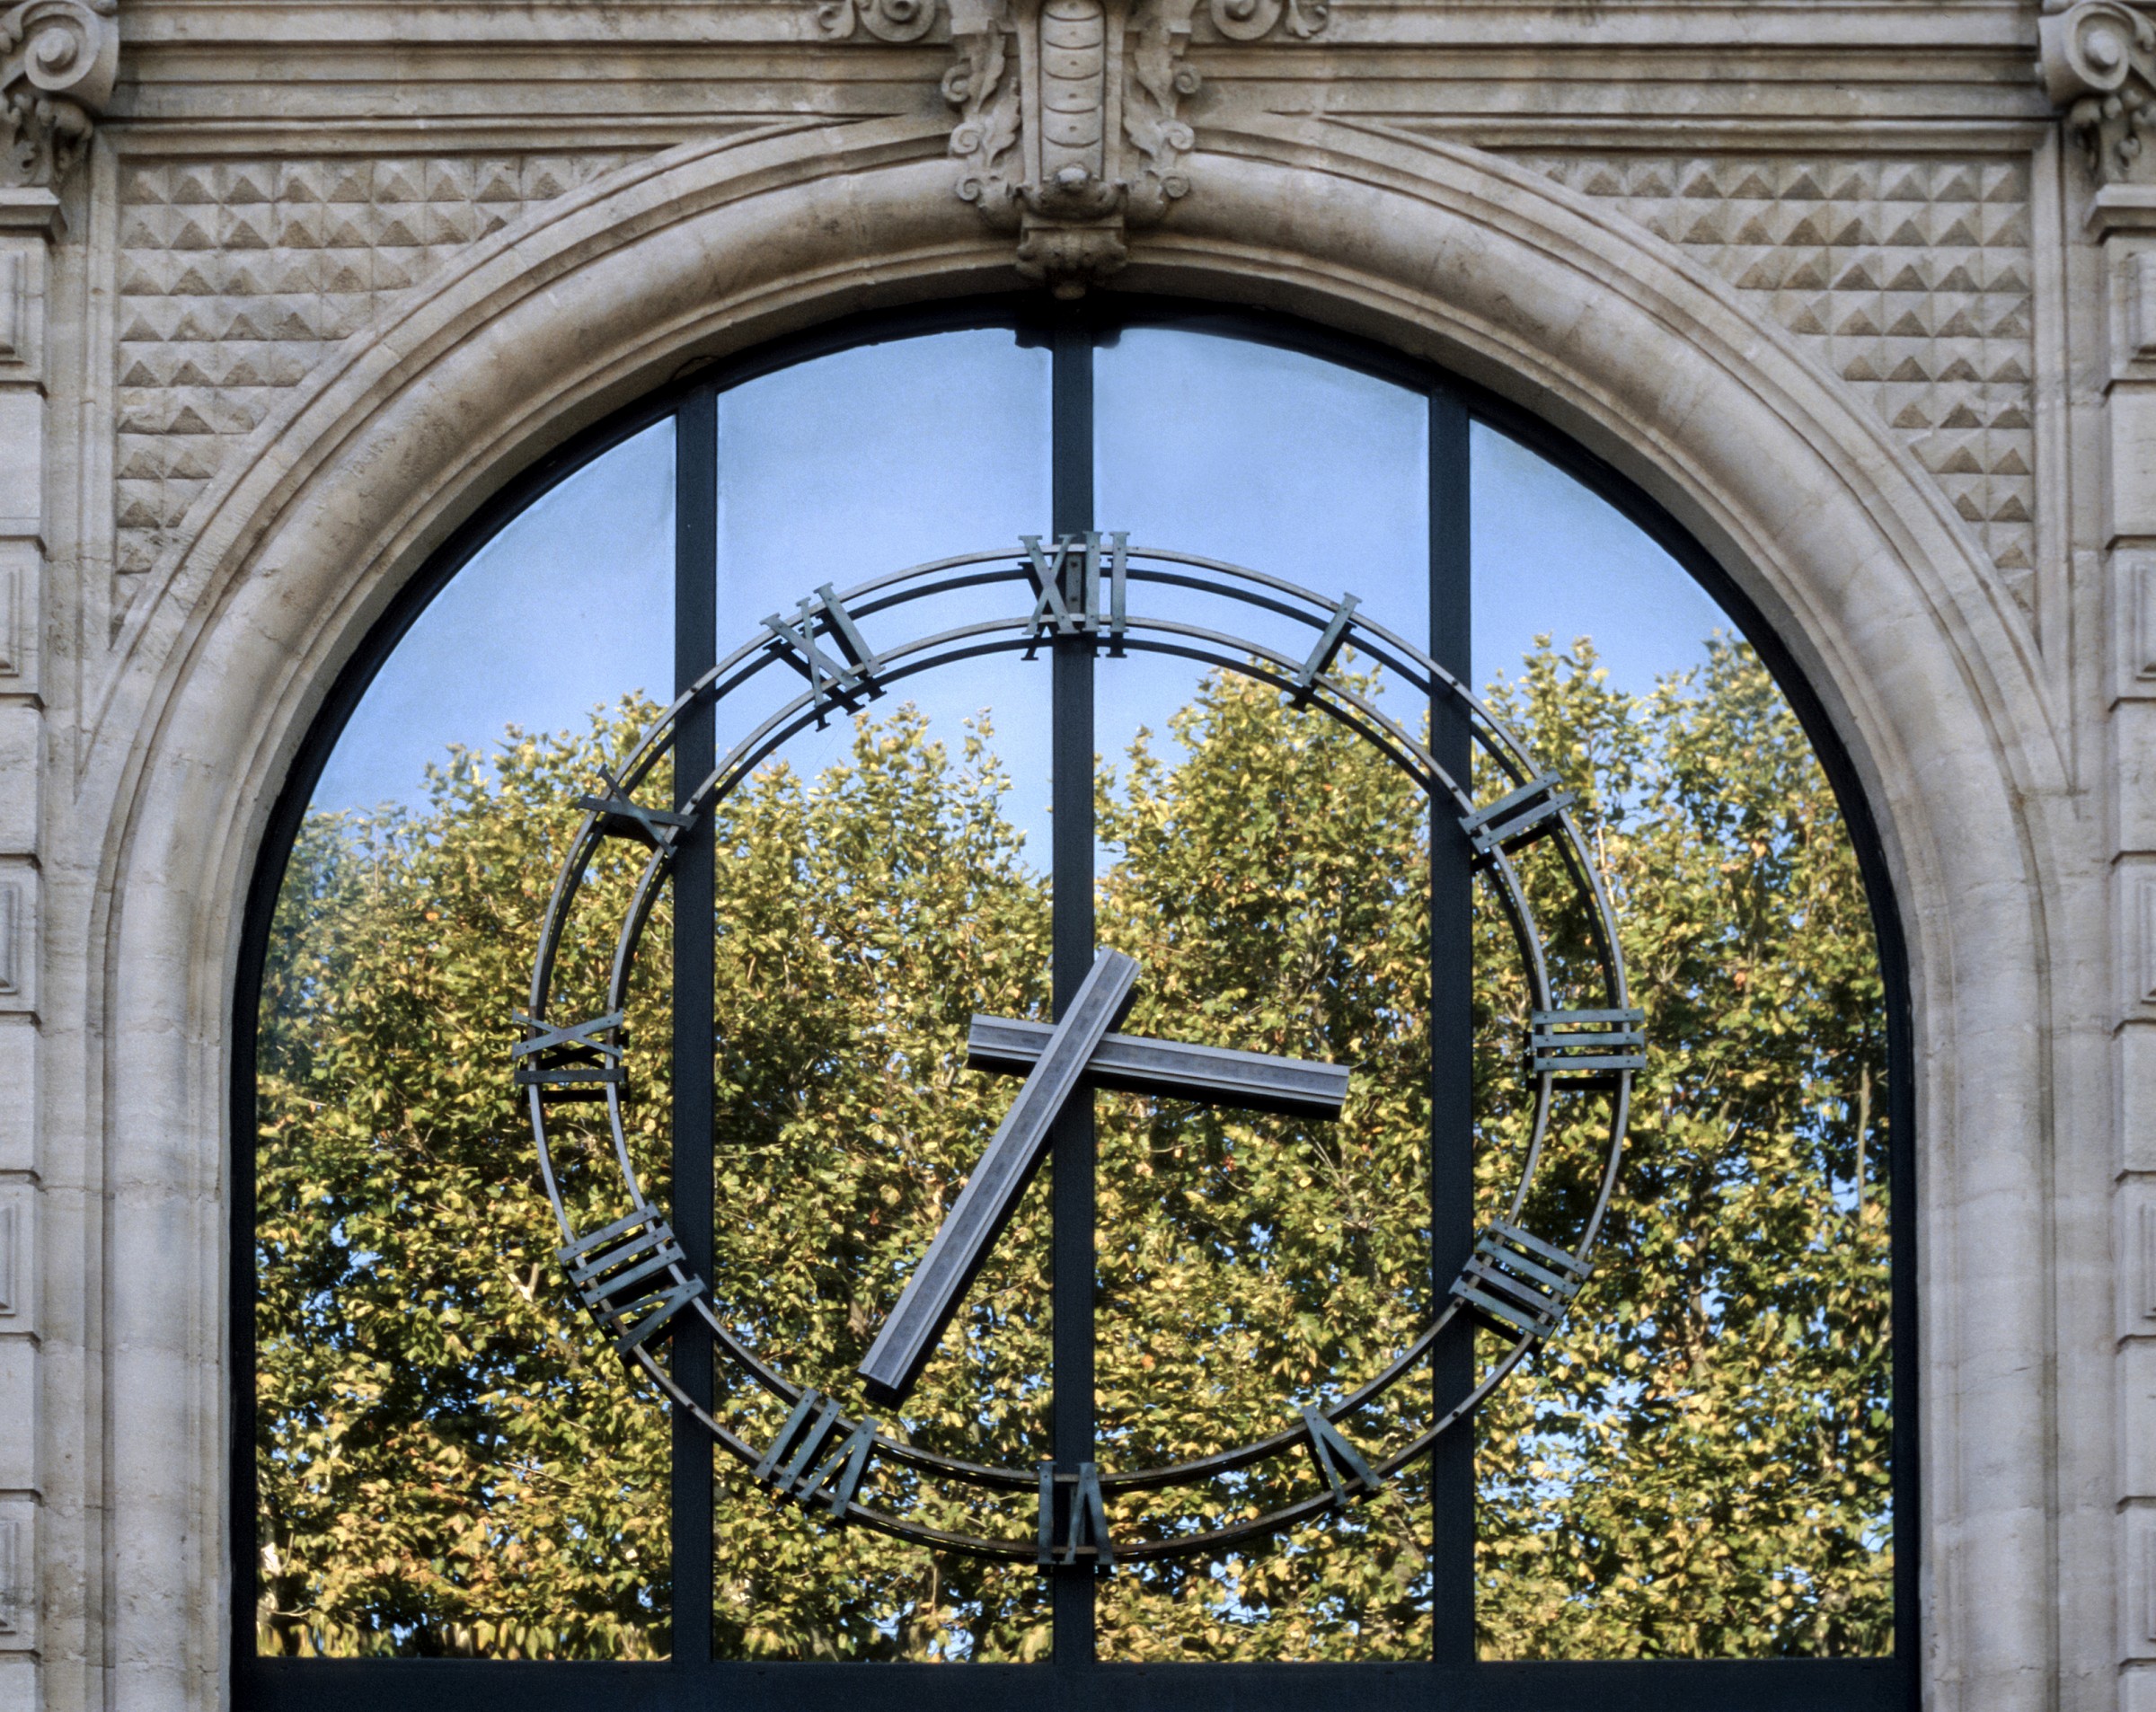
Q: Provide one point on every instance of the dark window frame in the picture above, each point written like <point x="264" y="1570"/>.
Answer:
<point x="1454" y="1681"/>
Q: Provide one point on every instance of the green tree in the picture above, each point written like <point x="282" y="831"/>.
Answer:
<point x="451" y="1460"/>
<point x="448" y="1463"/>
<point x="1698" y="1465"/>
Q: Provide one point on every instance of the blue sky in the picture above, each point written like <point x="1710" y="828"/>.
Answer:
<point x="888" y="454"/>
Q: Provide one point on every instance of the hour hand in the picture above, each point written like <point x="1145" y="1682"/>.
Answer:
<point x="1211" y="1075"/>
<point x="985" y="1206"/>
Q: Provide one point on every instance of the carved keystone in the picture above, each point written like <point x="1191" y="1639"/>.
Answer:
<point x="1070" y="128"/>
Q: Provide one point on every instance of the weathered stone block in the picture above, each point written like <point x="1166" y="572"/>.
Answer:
<point x="18" y="1408"/>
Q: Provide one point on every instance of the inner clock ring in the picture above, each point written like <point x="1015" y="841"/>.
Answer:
<point x="629" y="1272"/>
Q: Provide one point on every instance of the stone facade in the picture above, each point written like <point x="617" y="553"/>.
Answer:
<point x="1864" y="291"/>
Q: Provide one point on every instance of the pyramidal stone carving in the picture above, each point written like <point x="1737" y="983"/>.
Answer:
<point x="1909" y="279"/>
<point x="1070" y="128"/>
<point x="235" y="277"/>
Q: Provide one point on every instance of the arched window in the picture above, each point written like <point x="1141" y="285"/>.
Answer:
<point x="866" y="733"/>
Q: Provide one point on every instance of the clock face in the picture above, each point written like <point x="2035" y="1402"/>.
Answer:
<point x="913" y="1394"/>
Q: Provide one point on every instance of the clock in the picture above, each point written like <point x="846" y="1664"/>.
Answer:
<point x="837" y="1442"/>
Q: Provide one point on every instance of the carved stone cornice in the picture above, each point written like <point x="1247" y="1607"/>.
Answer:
<point x="1071" y="128"/>
<point x="57" y="58"/>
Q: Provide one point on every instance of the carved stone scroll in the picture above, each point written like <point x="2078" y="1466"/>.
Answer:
<point x="886" y="20"/>
<point x="2099" y="64"/>
<point x="1252" y="20"/>
<point x="57" y="58"/>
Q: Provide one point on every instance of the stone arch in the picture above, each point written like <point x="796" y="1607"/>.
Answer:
<point x="1850" y="550"/>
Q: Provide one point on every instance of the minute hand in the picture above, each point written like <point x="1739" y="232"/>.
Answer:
<point x="985" y="1206"/>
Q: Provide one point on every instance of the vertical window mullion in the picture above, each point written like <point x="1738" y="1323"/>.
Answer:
<point x="1072" y="1151"/>
<point x="1452" y="1051"/>
<point x="695" y="646"/>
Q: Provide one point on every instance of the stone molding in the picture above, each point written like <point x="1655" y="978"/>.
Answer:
<point x="57" y="60"/>
<point x="1560" y="301"/>
<point x="884" y="20"/>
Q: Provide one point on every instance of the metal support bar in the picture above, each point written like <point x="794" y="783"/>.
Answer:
<point x="695" y="1094"/>
<point x="1074" y="1271"/>
<point x="1452" y="1035"/>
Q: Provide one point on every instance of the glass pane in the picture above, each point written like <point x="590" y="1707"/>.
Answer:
<point x="880" y="879"/>
<point x="1697" y="1464"/>
<point x="1268" y="867"/>
<point x="1230" y="449"/>
<point x="450" y="1462"/>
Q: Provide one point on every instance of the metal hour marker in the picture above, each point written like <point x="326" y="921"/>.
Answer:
<point x="1586" y="1047"/>
<point x="1052" y="571"/>
<point x="621" y="816"/>
<point x="830" y="681"/>
<point x="1049" y="605"/>
<point x="1328" y="642"/>
<point x="623" y="1271"/>
<point x="1073" y="1520"/>
<point x="1119" y="578"/>
<point x="1518" y="817"/>
<point x="572" y="1061"/>
<point x="1343" y="1466"/>
<point x="812" y="1425"/>
<point x="1517" y="1285"/>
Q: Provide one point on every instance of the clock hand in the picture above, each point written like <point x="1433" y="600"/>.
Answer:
<point x="985" y="1206"/>
<point x="1213" y="1076"/>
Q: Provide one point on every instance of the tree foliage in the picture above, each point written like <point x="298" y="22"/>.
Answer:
<point x="450" y="1460"/>
<point x="1699" y="1465"/>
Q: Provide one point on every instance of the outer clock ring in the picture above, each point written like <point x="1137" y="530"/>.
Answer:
<point x="632" y="1277"/>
